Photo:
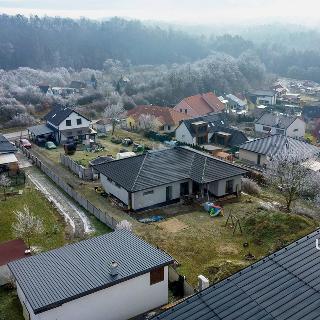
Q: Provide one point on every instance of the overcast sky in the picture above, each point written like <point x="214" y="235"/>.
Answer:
<point x="177" y="11"/>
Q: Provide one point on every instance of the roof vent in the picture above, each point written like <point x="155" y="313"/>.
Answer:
<point x="203" y="282"/>
<point x="114" y="268"/>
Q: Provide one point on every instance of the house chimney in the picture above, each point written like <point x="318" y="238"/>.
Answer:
<point x="203" y="282"/>
<point x="114" y="268"/>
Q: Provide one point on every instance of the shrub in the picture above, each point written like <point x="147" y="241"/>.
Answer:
<point x="249" y="186"/>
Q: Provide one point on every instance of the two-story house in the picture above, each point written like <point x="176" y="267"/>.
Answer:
<point x="63" y="124"/>
<point x="271" y="123"/>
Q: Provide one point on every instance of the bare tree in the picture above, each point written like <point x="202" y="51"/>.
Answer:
<point x="286" y="172"/>
<point x="148" y="122"/>
<point x="4" y="183"/>
<point x="124" y="225"/>
<point x="114" y="113"/>
<point x="27" y="225"/>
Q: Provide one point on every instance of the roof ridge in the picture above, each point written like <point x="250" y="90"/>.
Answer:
<point x="136" y="178"/>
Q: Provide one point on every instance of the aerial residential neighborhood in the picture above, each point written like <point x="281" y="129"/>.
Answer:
<point x="159" y="162"/>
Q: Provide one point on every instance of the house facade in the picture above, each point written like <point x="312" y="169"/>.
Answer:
<point x="290" y="126"/>
<point x="209" y="129"/>
<point x="264" y="97"/>
<point x="166" y="119"/>
<point x="257" y="152"/>
<point x="236" y="104"/>
<point x="200" y="104"/>
<point x="8" y="160"/>
<point x="64" y="125"/>
<point x="163" y="177"/>
<point x="115" y="276"/>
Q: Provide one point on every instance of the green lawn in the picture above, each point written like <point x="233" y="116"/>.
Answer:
<point x="10" y="307"/>
<point x="206" y="246"/>
<point x="111" y="149"/>
<point x="54" y="225"/>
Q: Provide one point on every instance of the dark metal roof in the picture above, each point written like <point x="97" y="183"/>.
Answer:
<point x="100" y="160"/>
<point x="60" y="113"/>
<point x="284" y="285"/>
<point x="40" y="130"/>
<point x="273" y="120"/>
<point x="52" y="278"/>
<point x="271" y="145"/>
<point x="237" y="137"/>
<point x="6" y="146"/>
<point x="157" y="168"/>
<point x="216" y="119"/>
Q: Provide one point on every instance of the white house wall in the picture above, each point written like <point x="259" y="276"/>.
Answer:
<point x="111" y="187"/>
<point x="184" y="135"/>
<point x="251" y="157"/>
<point x="297" y="129"/>
<point x="140" y="201"/>
<point x="218" y="188"/>
<point x="119" y="302"/>
<point x="73" y="117"/>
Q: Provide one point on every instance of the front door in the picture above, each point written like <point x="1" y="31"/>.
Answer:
<point x="229" y="186"/>
<point x="184" y="188"/>
<point x="168" y="193"/>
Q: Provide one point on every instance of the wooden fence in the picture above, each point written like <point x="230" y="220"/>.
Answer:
<point x="83" y="202"/>
<point x="82" y="172"/>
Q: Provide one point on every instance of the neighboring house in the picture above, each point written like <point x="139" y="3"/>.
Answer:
<point x="10" y="251"/>
<point x="167" y="118"/>
<point x="114" y="276"/>
<point x="264" y="97"/>
<point x="64" y="124"/>
<point x="236" y="104"/>
<point x="271" y="123"/>
<point x="8" y="160"/>
<point x="258" y="151"/>
<point x="161" y="177"/>
<point x="279" y="89"/>
<point x="209" y="129"/>
<point x="200" y="104"/>
<point x="102" y="125"/>
<point x="281" y="286"/>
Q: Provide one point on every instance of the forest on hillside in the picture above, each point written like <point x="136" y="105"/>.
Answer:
<point x="46" y="43"/>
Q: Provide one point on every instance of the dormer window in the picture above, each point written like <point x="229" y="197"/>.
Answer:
<point x="68" y="123"/>
<point x="79" y="121"/>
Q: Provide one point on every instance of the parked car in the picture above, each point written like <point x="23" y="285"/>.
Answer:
<point x="25" y="143"/>
<point x="50" y="145"/>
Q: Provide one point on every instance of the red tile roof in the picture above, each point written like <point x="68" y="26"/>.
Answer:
<point x="164" y="115"/>
<point x="12" y="250"/>
<point x="202" y="104"/>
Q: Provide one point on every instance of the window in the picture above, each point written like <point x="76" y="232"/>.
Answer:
<point x="79" y="121"/>
<point x="148" y="192"/>
<point x="180" y="110"/>
<point x="68" y="123"/>
<point x="185" y="111"/>
<point x="281" y="131"/>
<point x="79" y="132"/>
<point x="265" y="128"/>
<point x="169" y="127"/>
<point x="156" y="275"/>
<point x="296" y="130"/>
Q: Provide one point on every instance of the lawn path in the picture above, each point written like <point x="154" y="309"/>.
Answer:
<point x="73" y="214"/>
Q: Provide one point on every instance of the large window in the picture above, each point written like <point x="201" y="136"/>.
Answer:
<point x="156" y="275"/>
<point x="68" y="123"/>
<point x="265" y="128"/>
<point x="79" y="121"/>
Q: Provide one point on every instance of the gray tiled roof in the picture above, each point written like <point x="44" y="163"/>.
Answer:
<point x="235" y="99"/>
<point x="282" y="286"/>
<point x="271" y="145"/>
<point x="166" y="166"/>
<point x="57" y="276"/>
<point x="6" y="146"/>
<point x="273" y="120"/>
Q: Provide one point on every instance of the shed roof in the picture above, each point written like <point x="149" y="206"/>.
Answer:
<point x="284" y="285"/>
<point x="6" y="146"/>
<point x="271" y="145"/>
<point x="55" y="277"/>
<point x="8" y="158"/>
<point x="40" y="130"/>
<point x="157" y="168"/>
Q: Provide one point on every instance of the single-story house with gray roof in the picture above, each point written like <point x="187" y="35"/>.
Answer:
<point x="258" y="151"/>
<point x="161" y="177"/>
<point x="271" y="123"/>
<point x="114" y="276"/>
